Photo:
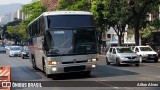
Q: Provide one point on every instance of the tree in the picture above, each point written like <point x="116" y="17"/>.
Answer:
<point x="17" y="32"/>
<point x="33" y="10"/>
<point x="50" y="4"/>
<point x="139" y="9"/>
<point x="156" y="24"/>
<point x="110" y="13"/>
<point x="78" y="5"/>
<point x="13" y="23"/>
<point x="98" y="10"/>
<point x="118" y="17"/>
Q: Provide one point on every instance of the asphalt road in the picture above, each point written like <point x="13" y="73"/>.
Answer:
<point x="125" y="77"/>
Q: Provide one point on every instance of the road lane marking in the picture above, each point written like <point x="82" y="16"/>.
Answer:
<point x="107" y="84"/>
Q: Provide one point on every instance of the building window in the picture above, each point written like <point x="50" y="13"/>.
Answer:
<point x="108" y="35"/>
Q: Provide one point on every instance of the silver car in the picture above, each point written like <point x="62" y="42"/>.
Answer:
<point x="14" y="51"/>
<point x="122" y="55"/>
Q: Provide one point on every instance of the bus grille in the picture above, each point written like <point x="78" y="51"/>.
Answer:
<point x="74" y="68"/>
<point x="73" y="62"/>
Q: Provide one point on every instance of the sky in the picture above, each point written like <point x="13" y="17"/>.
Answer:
<point x="3" y="2"/>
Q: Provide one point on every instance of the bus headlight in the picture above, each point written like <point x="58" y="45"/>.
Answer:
<point x="92" y="60"/>
<point x="53" y="62"/>
<point x="54" y="69"/>
<point x="93" y="66"/>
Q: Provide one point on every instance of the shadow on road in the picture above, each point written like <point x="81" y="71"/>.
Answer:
<point x="106" y="71"/>
<point x="101" y="71"/>
<point x="150" y="61"/>
<point x="24" y="73"/>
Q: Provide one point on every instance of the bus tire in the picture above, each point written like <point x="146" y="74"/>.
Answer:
<point x="87" y="73"/>
<point x="34" y="64"/>
<point x="44" y="70"/>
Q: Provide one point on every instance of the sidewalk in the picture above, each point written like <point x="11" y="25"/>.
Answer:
<point x="102" y="56"/>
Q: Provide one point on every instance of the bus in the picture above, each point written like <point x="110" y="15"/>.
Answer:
<point x="63" y="42"/>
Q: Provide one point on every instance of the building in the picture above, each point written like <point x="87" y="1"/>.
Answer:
<point x="19" y="15"/>
<point x="5" y="19"/>
<point x="112" y="38"/>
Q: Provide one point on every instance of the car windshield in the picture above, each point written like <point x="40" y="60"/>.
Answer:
<point x="145" y="49"/>
<point x="61" y="42"/>
<point x="124" y="50"/>
<point x="26" y="50"/>
<point x="15" y="48"/>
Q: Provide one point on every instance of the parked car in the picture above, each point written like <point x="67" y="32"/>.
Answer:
<point x="158" y="52"/>
<point x="25" y="52"/>
<point x="2" y="50"/>
<point x="132" y="47"/>
<point x="14" y="51"/>
<point x="122" y="55"/>
<point x="146" y="53"/>
<point x="7" y="46"/>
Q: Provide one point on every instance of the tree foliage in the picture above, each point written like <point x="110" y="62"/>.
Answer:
<point x="13" y="23"/>
<point x="78" y="5"/>
<point x="98" y="9"/>
<point x="33" y="10"/>
<point x="19" y="31"/>
<point x="118" y="17"/>
<point x="139" y="10"/>
<point x="110" y="13"/>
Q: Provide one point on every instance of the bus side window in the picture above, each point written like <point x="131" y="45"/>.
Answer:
<point x="44" y="45"/>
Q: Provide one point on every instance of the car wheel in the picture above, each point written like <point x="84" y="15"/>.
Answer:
<point x="107" y="62"/>
<point x="156" y="60"/>
<point x="137" y="65"/>
<point x="22" y="57"/>
<point x="117" y="62"/>
<point x="140" y="59"/>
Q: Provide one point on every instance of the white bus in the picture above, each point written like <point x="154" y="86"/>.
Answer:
<point x="63" y="42"/>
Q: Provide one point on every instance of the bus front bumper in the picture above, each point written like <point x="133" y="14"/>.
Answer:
<point x="68" y="68"/>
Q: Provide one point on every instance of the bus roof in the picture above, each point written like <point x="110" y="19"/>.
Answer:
<point x="66" y="13"/>
<point x="63" y="13"/>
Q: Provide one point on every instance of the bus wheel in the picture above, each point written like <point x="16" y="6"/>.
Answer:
<point x="87" y="73"/>
<point x="44" y="70"/>
<point x="34" y="64"/>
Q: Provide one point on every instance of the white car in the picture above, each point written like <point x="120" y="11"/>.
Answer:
<point x="146" y="53"/>
<point x="14" y="51"/>
<point x="121" y="55"/>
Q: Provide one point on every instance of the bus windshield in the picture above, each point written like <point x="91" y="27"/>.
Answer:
<point x="70" y="21"/>
<point x="77" y="41"/>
